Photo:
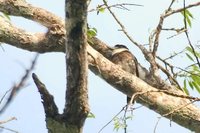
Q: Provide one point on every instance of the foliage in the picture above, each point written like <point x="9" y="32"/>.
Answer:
<point x="120" y="122"/>
<point x="188" y="16"/>
<point x="92" y="32"/>
<point x="91" y="115"/>
<point x="192" y="73"/>
<point x="5" y="16"/>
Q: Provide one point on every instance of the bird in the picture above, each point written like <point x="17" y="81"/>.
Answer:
<point x="121" y="55"/>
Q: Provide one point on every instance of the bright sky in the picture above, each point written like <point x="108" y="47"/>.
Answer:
<point x="105" y="102"/>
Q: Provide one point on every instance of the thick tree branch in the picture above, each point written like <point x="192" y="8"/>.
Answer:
<point x="52" y="41"/>
<point x="23" y="9"/>
<point x="76" y="104"/>
<point x="50" y="107"/>
<point x="53" y="118"/>
<point x="187" y="116"/>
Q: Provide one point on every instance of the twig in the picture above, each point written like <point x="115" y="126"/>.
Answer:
<point x="177" y="95"/>
<point x="184" y="70"/>
<point x="11" y="130"/>
<point x="121" y="25"/>
<point x="171" y="79"/>
<point x="179" y="108"/>
<point x="112" y="119"/>
<point x="172" y="2"/>
<point x="159" y="28"/>
<point x="187" y="35"/>
<point x="167" y="13"/>
<point x="154" y="130"/>
<point x="16" y="88"/>
<point x="181" y="9"/>
<point x="122" y="5"/>
<point x="10" y="119"/>
<point x="178" y="33"/>
<point x="175" y="54"/>
<point x="149" y="57"/>
<point x="4" y="95"/>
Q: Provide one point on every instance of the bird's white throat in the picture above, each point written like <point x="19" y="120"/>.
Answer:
<point x="118" y="50"/>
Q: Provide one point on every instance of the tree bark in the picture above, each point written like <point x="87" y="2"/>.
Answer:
<point x="76" y="107"/>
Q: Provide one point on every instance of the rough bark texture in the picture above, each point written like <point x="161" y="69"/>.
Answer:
<point x="173" y="105"/>
<point x="170" y="103"/>
<point x="76" y="108"/>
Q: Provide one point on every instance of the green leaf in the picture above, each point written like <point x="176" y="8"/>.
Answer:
<point x="6" y="16"/>
<point x="116" y="124"/>
<point x="197" y="87"/>
<point x="129" y="117"/>
<point x="189" y="57"/>
<point x="188" y="21"/>
<point x="92" y="32"/>
<point x="196" y="79"/>
<point x="191" y="85"/>
<point x="101" y="10"/>
<point x="196" y="69"/>
<point x="189" y="13"/>
<point x="91" y="115"/>
<point x="185" y="87"/>
<point x="119" y="123"/>
<point x="189" y="49"/>
<point x="188" y="16"/>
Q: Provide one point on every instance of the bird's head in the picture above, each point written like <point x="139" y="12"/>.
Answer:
<point x="119" y="48"/>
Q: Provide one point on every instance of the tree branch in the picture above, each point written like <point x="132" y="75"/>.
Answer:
<point x="76" y="104"/>
<point x="52" y="41"/>
<point x="49" y="105"/>
<point x="162" y="103"/>
<point x="23" y="9"/>
<point x="17" y="87"/>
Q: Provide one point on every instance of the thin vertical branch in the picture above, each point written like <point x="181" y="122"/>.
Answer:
<point x="187" y="35"/>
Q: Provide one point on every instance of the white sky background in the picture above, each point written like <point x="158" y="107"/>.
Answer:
<point x="104" y="101"/>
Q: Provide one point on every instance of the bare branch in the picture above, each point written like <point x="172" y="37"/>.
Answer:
<point x="8" y="120"/>
<point x="8" y="129"/>
<point x="121" y="25"/>
<point x="111" y="120"/>
<point x="52" y="41"/>
<point x="23" y="9"/>
<point x="167" y="13"/>
<point x="49" y="105"/>
<point x="16" y="88"/>
<point x="119" y="5"/>
<point x="181" y="9"/>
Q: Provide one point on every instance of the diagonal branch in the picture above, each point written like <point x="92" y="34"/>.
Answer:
<point x="23" y="9"/>
<point x="161" y="102"/>
<point x="17" y="87"/>
<point x="49" y="105"/>
<point x="39" y="42"/>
